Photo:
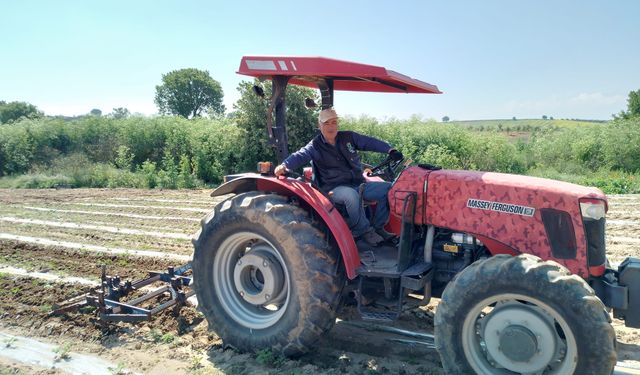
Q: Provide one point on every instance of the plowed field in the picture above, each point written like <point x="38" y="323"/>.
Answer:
<point x="49" y="237"/>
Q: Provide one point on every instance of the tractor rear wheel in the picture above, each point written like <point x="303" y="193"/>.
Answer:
<point x="522" y="315"/>
<point x="264" y="275"/>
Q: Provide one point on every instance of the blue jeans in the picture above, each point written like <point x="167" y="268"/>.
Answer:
<point x="356" y="217"/>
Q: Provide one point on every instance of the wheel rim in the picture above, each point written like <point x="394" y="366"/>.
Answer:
<point x="251" y="280"/>
<point x="518" y="334"/>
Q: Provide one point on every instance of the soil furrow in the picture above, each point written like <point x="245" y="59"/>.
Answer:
<point x="170" y="344"/>
<point x="46" y="242"/>
<point x="134" y="221"/>
<point x="99" y="213"/>
<point x="78" y="263"/>
<point x="187" y="209"/>
<point x="110" y="229"/>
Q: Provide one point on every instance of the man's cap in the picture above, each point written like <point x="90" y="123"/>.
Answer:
<point x="327" y="114"/>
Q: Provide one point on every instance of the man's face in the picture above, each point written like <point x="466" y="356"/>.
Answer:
<point x="329" y="128"/>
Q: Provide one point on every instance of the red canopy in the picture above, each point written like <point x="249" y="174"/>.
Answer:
<point x="346" y="75"/>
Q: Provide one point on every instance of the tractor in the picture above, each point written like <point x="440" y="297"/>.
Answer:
<point x="518" y="262"/>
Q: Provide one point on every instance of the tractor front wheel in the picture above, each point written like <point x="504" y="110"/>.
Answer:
<point x="264" y="275"/>
<point x="522" y="315"/>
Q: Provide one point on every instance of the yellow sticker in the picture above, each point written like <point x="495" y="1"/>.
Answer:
<point x="451" y="248"/>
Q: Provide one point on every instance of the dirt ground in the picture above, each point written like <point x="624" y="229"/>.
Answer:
<point x="69" y="233"/>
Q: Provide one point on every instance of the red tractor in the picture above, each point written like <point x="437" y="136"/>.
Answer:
<point x="518" y="262"/>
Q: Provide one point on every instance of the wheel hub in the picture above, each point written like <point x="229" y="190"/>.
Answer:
<point x="518" y="343"/>
<point x="519" y="338"/>
<point x="258" y="278"/>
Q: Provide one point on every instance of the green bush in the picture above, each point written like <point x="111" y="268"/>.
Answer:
<point x="495" y="153"/>
<point x="172" y="152"/>
<point x="621" y="145"/>
<point x="149" y="174"/>
<point x="439" y="155"/>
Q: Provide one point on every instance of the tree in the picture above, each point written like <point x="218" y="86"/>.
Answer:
<point x="251" y="115"/>
<point x="13" y="111"/>
<point x="513" y="118"/>
<point x="120" y="112"/>
<point x="189" y="93"/>
<point x="633" y="103"/>
<point x="96" y="112"/>
<point x="633" y="106"/>
<point x="544" y="117"/>
<point x="445" y="119"/>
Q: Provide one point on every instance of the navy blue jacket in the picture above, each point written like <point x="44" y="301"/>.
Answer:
<point x="336" y="165"/>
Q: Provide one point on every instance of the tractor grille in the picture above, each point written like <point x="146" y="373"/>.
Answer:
<point x="594" y="231"/>
<point x="560" y="233"/>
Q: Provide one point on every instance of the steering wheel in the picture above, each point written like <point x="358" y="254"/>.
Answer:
<point x="387" y="170"/>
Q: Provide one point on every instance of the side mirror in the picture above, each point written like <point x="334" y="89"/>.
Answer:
<point x="309" y="103"/>
<point x="258" y="91"/>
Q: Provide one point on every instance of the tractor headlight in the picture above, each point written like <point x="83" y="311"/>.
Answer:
<point x="592" y="209"/>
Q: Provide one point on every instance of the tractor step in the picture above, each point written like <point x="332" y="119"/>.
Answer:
<point x="379" y="316"/>
<point x="389" y="307"/>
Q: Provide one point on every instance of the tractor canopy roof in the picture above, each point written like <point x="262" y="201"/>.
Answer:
<point x="345" y="75"/>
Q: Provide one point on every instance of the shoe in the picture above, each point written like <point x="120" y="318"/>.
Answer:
<point x="385" y="235"/>
<point x="371" y="237"/>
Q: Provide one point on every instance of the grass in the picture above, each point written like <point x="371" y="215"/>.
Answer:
<point x="87" y="309"/>
<point x="155" y="335"/>
<point x="167" y="338"/>
<point x="195" y="364"/>
<point x="158" y="337"/>
<point x="119" y="369"/>
<point x="267" y="357"/>
<point x="62" y="352"/>
<point x="9" y="342"/>
<point x="124" y="260"/>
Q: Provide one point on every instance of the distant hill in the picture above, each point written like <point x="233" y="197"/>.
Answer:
<point x="525" y="125"/>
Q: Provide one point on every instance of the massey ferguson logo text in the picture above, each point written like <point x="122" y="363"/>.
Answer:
<point x="501" y="207"/>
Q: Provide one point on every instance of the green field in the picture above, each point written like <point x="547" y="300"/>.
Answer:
<point x="510" y="124"/>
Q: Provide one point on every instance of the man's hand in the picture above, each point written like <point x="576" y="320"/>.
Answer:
<point x="395" y="154"/>
<point x="280" y="170"/>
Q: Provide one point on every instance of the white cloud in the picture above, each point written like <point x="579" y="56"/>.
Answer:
<point x="597" y="98"/>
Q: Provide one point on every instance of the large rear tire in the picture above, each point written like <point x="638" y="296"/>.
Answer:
<point x="264" y="275"/>
<point x="522" y="315"/>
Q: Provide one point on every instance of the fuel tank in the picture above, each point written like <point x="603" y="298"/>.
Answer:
<point x="504" y="211"/>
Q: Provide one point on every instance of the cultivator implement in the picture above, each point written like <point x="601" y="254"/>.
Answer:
<point x="109" y="298"/>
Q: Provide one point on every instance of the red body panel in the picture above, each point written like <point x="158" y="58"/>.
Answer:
<point x="347" y="75"/>
<point x="447" y="206"/>
<point x="313" y="198"/>
<point x="410" y="180"/>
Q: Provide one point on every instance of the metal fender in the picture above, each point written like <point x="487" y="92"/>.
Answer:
<point x="313" y="198"/>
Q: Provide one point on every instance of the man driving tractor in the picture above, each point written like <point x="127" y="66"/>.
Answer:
<point x="338" y="173"/>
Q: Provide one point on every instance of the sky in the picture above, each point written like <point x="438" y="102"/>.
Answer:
<point x="492" y="59"/>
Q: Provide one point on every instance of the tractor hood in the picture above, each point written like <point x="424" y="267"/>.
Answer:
<point x="484" y="202"/>
<point x="502" y="210"/>
<point x="503" y="186"/>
